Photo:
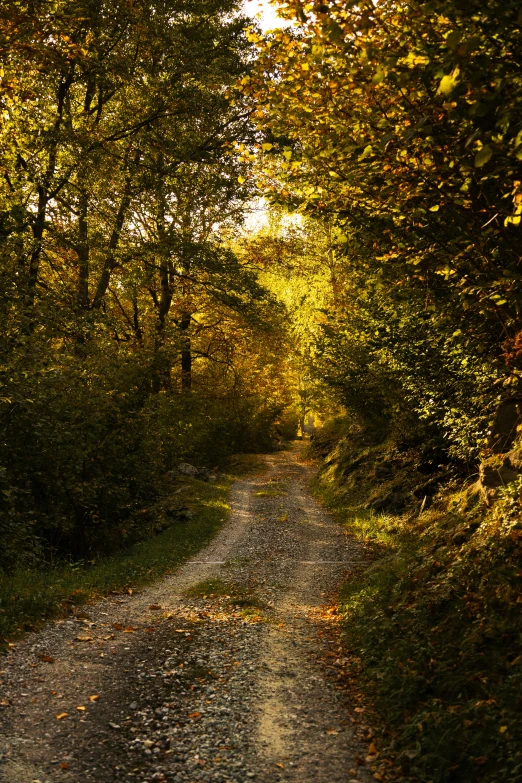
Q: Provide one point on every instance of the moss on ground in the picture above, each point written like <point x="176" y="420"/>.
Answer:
<point x="436" y="621"/>
<point x="30" y="597"/>
<point x="273" y="489"/>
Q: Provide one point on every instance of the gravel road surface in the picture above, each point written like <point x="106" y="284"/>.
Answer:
<point x="213" y="675"/>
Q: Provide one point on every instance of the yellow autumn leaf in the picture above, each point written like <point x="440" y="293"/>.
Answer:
<point x="483" y="155"/>
<point x="448" y="82"/>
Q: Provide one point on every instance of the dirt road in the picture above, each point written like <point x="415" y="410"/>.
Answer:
<point x="212" y="674"/>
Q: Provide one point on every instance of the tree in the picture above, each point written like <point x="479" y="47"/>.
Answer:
<point x="119" y="199"/>
<point x="400" y="123"/>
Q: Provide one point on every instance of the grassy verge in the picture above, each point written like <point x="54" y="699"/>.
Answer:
<point x="28" y="598"/>
<point x="435" y="625"/>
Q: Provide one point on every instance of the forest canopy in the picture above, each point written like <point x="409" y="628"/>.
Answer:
<point x="398" y="125"/>
<point x="131" y="328"/>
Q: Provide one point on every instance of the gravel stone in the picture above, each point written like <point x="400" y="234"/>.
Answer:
<point x="218" y="688"/>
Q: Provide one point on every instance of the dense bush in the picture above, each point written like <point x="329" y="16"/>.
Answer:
<point x="87" y="446"/>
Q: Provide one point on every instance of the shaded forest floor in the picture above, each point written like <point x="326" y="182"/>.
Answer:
<point x="290" y="648"/>
<point x="433" y="628"/>
<point x="28" y="597"/>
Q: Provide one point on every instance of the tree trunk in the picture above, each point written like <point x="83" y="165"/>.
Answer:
<point x="82" y="250"/>
<point x="110" y="260"/>
<point x="186" y="353"/>
<point x="38" y="231"/>
<point x="44" y="186"/>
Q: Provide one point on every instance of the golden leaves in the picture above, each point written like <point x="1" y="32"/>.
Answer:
<point x="449" y="82"/>
<point x="484" y="154"/>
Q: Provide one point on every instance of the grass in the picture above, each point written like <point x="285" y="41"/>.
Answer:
<point x="273" y="489"/>
<point x="238" y="597"/>
<point x="29" y="598"/>
<point x="436" y="625"/>
<point x="210" y="588"/>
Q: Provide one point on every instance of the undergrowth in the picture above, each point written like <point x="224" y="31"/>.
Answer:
<point x="29" y="597"/>
<point x="435" y="623"/>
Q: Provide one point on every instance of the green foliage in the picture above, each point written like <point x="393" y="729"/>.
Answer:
<point x="28" y="597"/>
<point x="398" y="125"/>
<point x="299" y="268"/>
<point x="79" y="487"/>
<point x="435" y="620"/>
<point x="130" y="327"/>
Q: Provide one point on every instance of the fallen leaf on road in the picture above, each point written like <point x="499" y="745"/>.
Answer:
<point x="155" y="607"/>
<point x="84" y="638"/>
<point x="114" y="725"/>
<point x="129" y="629"/>
<point x="64" y="765"/>
<point x="94" y="698"/>
<point x="372" y="750"/>
<point x="81" y="708"/>
<point x="62" y="715"/>
<point x="281" y="766"/>
<point x="4" y="703"/>
<point x="194" y="715"/>
<point x="332" y="731"/>
<point x="46" y="658"/>
<point x="118" y="626"/>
